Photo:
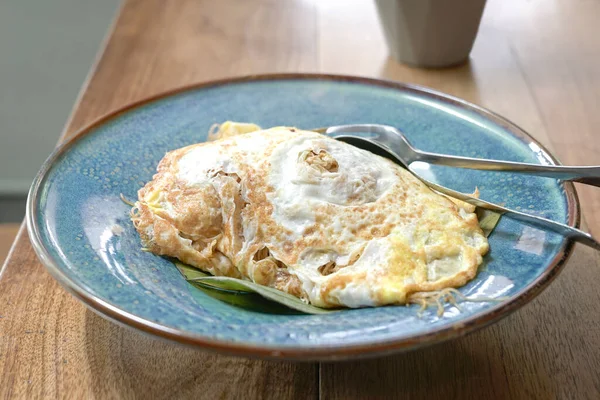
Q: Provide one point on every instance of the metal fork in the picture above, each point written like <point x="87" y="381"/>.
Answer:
<point x="384" y="150"/>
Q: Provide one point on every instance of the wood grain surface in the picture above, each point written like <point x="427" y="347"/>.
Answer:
<point x="535" y="62"/>
<point x="8" y="232"/>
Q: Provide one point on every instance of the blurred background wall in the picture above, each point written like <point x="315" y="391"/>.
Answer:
<point x="46" y="50"/>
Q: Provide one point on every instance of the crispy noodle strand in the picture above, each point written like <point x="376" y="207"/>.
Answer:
<point x="124" y="200"/>
<point x="439" y="298"/>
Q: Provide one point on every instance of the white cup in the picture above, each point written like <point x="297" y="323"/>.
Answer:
<point x="430" y="33"/>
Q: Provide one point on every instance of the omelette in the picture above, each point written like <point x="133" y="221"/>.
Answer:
<point x="306" y="214"/>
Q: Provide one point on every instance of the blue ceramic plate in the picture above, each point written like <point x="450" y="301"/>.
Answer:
<point x="81" y="231"/>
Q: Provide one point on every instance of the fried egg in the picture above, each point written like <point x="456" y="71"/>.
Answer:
<point x="317" y="218"/>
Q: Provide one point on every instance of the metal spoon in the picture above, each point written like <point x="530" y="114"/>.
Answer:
<point x="539" y="222"/>
<point x="397" y="142"/>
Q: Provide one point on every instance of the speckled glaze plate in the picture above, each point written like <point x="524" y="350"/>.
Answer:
<point x="81" y="231"/>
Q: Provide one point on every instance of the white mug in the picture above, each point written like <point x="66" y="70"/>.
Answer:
<point x="430" y="33"/>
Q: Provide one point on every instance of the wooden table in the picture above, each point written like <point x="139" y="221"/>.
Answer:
<point x="535" y="62"/>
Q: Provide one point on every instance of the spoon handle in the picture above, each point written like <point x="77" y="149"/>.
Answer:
<point x="588" y="175"/>
<point x="539" y="222"/>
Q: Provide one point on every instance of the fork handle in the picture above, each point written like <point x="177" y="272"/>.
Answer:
<point x="588" y="175"/>
<point x="539" y="222"/>
<point x="565" y="230"/>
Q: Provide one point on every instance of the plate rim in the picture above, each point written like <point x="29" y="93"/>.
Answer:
<point x="330" y="352"/>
